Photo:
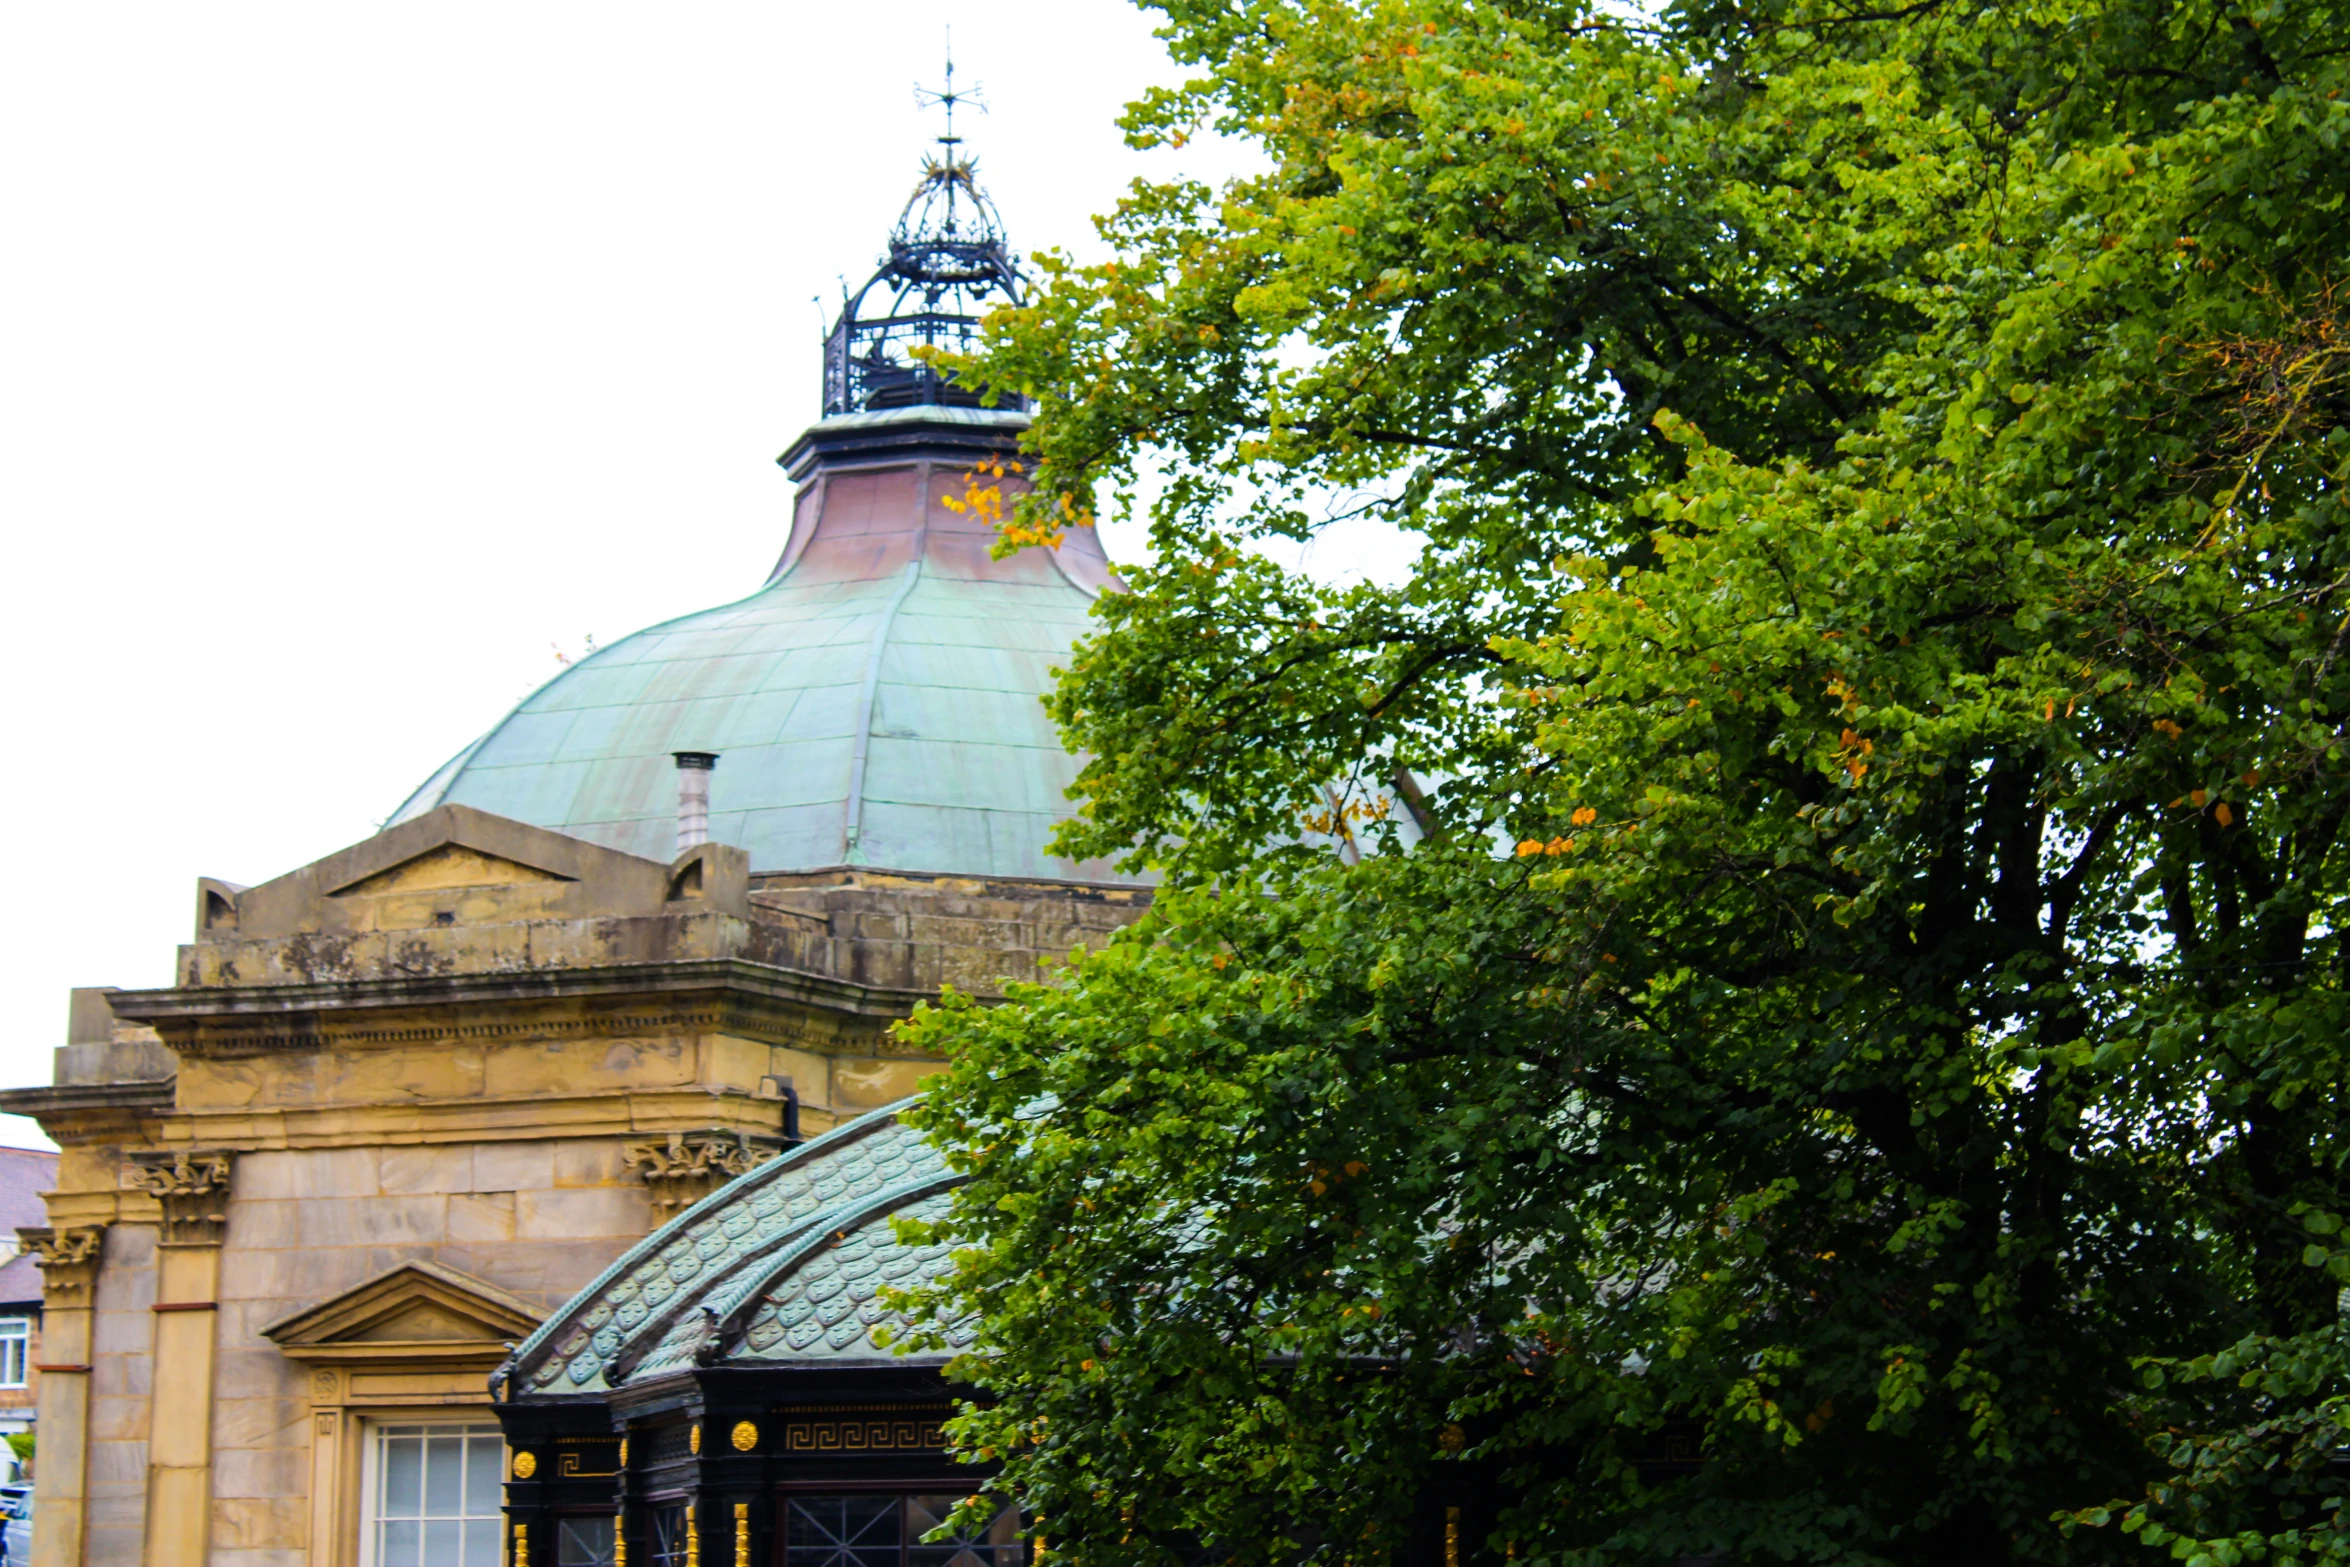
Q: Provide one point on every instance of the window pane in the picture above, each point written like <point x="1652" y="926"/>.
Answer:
<point x="996" y="1543"/>
<point x="403" y="1469"/>
<point x="482" y="1456"/>
<point x="584" y="1542"/>
<point x="842" y="1531"/>
<point x="403" y="1545"/>
<point x="668" y="1534"/>
<point x="444" y="1477"/>
<point x="436" y="1498"/>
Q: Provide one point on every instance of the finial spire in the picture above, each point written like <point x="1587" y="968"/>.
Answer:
<point x="947" y="97"/>
<point x="949" y="263"/>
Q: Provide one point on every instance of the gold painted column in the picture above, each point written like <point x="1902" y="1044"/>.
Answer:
<point x="68" y="1260"/>
<point x="193" y="1189"/>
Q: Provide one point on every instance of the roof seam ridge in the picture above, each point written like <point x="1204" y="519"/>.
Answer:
<point x="853" y="813"/>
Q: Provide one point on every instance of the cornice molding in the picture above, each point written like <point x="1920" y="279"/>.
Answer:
<point x="83" y="1098"/>
<point x="730" y="976"/>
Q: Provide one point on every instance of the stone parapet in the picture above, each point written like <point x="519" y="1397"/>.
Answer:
<point x="919" y="934"/>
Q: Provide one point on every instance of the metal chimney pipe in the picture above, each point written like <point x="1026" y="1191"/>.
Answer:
<point x="693" y="797"/>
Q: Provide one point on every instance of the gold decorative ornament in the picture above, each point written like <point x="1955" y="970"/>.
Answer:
<point x="525" y="1465"/>
<point x="1452" y="1537"/>
<point x="693" y="1438"/>
<point x="624" y="1452"/>
<point x="1452" y="1439"/>
<point x="620" y="1535"/>
<point x="522" y="1545"/>
<point x="745" y="1436"/>
<point x="742" y="1532"/>
<point x="693" y="1536"/>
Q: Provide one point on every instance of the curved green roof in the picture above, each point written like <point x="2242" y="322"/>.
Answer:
<point x="877" y="702"/>
<point x="785" y="1264"/>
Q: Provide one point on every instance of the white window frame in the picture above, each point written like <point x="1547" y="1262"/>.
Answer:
<point x="16" y="1344"/>
<point x="372" y="1429"/>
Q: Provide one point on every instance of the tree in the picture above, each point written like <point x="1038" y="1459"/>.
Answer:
<point x="1851" y="976"/>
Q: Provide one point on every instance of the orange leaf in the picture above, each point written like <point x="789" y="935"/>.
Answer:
<point x="2222" y="814"/>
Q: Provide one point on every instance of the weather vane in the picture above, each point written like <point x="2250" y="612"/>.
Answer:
<point x="948" y="97"/>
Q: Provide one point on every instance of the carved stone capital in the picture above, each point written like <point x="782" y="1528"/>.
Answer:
<point x="193" y="1189"/>
<point x="68" y="1260"/>
<point x="686" y="1167"/>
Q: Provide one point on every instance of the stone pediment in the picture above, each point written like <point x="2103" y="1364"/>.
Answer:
<point x="417" y="1311"/>
<point x="458" y="846"/>
<point x="459" y="867"/>
<point x="445" y="868"/>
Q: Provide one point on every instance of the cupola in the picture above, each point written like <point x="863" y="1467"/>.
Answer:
<point x="877" y="702"/>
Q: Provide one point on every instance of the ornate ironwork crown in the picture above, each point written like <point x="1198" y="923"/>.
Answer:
<point x="948" y="265"/>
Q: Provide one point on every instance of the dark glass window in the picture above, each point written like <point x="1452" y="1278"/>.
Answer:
<point x="995" y="1544"/>
<point x="843" y="1531"/>
<point x="665" y="1533"/>
<point x="583" y="1542"/>
<point x="869" y="1530"/>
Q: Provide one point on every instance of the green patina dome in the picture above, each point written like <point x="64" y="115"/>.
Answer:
<point x="877" y="702"/>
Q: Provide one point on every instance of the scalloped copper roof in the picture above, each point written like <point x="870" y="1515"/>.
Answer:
<point x="782" y="1264"/>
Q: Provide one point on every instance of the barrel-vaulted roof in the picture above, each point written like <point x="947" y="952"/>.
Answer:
<point x="878" y="702"/>
<point x="783" y="1266"/>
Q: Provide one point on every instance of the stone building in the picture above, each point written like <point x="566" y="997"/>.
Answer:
<point x="401" y="1103"/>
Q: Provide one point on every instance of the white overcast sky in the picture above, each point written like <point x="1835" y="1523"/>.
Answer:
<point x="355" y="357"/>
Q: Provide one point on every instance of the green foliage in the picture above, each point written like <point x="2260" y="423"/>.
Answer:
<point x="1869" y="1000"/>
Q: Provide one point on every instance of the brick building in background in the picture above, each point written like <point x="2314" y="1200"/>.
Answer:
<point x="25" y="1173"/>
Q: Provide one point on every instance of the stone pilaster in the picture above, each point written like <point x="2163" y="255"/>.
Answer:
<point x="192" y="1189"/>
<point x="686" y="1167"/>
<point x="68" y="1260"/>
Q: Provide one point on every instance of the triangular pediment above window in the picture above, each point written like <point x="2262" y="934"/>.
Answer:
<point x="418" y="1310"/>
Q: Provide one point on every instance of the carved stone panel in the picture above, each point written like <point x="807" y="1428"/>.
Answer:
<point x="68" y="1260"/>
<point x="193" y="1189"/>
<point x="686" y="1167"/>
